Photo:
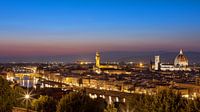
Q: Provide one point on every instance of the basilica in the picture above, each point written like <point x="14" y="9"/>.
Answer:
<point x="180" y="63"/>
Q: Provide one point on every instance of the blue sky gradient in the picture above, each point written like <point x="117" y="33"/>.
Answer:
<point x="58" y="27"/>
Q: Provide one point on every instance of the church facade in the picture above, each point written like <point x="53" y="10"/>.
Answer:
<point x="181" y="63"/>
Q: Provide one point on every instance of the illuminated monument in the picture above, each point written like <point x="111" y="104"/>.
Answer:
<point x="107" y="68"/>
<point x="180" y="63"/>
<point x="99" y="65"/>
<point x="157" y="62"/>
<point x="181" y="60"/>
<point x="97" y="59"/>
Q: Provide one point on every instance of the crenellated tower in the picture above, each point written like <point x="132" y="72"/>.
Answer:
<point x="98" y="58"/>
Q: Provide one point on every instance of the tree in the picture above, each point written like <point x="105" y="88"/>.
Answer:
<point x="193" y="105"/>
<point x="79" y="102"/>
<point x="18" y="96"/>
<point x="137" y="103"/>
<point x="110" y="108"/>
<point x="168" y="101"/>
<point x="99" y="104"/>
<point x="44" y="104"/>
<point x="165" y="101"/>
<point x="6" y="96"/>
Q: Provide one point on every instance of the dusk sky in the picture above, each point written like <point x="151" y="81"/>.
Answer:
<point x="59" y="27"/>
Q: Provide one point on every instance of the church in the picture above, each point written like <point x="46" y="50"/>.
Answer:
<point x="181" y="63"/>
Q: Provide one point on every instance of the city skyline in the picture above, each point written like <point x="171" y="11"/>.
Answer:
<point x="99" y="55"/>
<point x="41" y="28"/>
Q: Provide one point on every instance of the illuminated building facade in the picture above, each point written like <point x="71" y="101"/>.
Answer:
<point x="181" y="60"/>
<point x="99" y="65"/>
<point x="107" y="68"/>
<point x="180" y="64"/>
<point x="97" y="59"/>
<point x="157" y="62"/>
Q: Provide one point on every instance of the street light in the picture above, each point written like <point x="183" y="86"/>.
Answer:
<point x="27" y="97"/>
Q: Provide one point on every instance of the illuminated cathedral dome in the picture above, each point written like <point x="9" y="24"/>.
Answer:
<point x="181" y="60"/>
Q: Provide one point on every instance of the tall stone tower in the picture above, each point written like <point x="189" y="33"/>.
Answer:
<point x="97" y="59"/>
<point x="157" y="62"/>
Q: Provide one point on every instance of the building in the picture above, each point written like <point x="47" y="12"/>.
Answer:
<point x="97" y="58"/>
<point x="101" y="66"/>
<point x="157" y="62"/>
<point x="107" y="68"/>
<point x="181" y="60"/>
<point x="181" y="63"/>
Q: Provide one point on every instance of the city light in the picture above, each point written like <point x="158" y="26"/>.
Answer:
<point x="27" y="96"/>
<point x="99" y="55"/>
<point x="141" y="64"/>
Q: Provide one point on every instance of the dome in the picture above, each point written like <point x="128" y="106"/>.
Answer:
<point x="181" y="60"/>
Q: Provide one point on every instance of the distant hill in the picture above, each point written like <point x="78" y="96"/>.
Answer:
<point x="194" y="57"/>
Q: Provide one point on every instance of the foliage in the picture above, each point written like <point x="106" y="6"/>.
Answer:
<point x="44" y="104"/>
<point x="164" y="101"/>
<point x="110" y="108"/>
<point x="17" y="94"/>
<point x="6" y="96"/>
<point x="99" y="105"/>
<point x="168" y="101"/>
<point x="78" y="102"/>
<point x="193" y="105"/>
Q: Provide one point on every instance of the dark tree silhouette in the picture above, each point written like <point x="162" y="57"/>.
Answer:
<point x="79" y="102"/>
<point x="6" y="96"/>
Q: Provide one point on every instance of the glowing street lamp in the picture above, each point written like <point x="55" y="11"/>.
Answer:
<point x="27" y="96"/>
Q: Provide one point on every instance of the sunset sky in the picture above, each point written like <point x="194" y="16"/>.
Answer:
<point x="59" y="27"/>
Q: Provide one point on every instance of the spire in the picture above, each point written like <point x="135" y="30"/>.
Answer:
<point x="181" y="51"/>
